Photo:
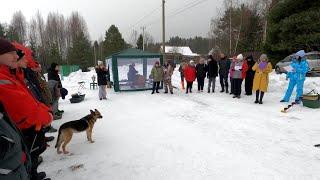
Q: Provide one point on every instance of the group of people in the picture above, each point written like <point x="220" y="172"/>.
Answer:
<point x="238" y="69"/>
<point x="232" y="71"/>
<point x="28" y="105"/>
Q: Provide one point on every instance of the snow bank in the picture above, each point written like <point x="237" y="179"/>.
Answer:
<point x="195" y="136"/>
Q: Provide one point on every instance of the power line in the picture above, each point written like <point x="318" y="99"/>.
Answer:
<point x="179" y="10"/>
<point x="145" y="16"/>
<point x="188" y="7"/>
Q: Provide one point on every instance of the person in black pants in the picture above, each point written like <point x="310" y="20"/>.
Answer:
<point x="157" y="74"/>
<point x="201" y="74"/>
<point x="212" y="73"/>
<point x="238" y="68"/>
<point x="249" y="75"/>
<point x="190" y="76"/>
<point x="224" y="66"/>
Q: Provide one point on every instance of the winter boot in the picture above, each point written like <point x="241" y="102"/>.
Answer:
<point x="52" y="130"/>
<point x="261" y="97"/>
<point x="257" y="97"/>
<point x="41" y="175"/>
<point x="49" y="139"/>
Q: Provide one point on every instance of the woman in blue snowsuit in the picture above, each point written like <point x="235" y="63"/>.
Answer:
<point x="297" y="76"/>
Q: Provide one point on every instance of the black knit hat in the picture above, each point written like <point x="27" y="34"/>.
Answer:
<point x="6" y="46"/>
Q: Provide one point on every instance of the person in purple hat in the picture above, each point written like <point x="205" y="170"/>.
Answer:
<point x="261" y="77"/>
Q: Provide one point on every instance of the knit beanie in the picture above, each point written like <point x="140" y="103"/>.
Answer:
<point x="240" y="57"/>
<point x="301" y="53"/>
<point x="6" y="46"/>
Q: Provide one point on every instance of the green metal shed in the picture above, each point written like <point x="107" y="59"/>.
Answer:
<point x="131" y="69"/>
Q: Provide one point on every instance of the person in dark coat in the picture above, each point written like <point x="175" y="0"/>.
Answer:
<point x="27" y="76"/>
<point x="53" y="74"/>
<point x="201" y="74"/>
<point x="14" y="155"/>
<point x="250" y="75"/>
<point x="132" y="74"/>
<point x="224" y="66"/>
<point x="102" y="73"/>
<point x="212" y="73"/>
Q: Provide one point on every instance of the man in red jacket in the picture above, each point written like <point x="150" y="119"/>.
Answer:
<point x="29" y="115"/>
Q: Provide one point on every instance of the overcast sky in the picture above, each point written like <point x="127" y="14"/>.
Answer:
<point x="100" y="14"/>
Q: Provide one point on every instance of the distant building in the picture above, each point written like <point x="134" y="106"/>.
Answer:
<point x="179" y="53"/>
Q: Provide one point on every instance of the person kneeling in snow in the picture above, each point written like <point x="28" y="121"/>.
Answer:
<point x="297" y="76"/>
<point x="157" y="76"/>
<point x="261" y="77"/>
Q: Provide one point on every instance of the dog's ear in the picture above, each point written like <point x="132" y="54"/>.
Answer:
<point x="96" y="110"/>
<point x="92" y="112"/>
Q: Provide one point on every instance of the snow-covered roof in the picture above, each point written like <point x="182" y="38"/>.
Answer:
<point x="184" y="50"/>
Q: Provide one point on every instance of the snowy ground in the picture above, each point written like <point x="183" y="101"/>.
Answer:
<point x="189" y="137"/>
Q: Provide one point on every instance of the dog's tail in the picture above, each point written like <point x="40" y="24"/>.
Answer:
<point x="58" y="138"/>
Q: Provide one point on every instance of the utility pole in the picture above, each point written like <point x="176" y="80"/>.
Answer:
<point x="230" y="28"/>
<point x="95" y="55"/>
<point x="143" y="29"/>
<point x="163" y="31"/>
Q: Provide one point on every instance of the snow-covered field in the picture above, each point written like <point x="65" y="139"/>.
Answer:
<point x="189" y="137"/>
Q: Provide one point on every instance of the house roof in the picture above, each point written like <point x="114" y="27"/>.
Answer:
<point x="184" y="50"/>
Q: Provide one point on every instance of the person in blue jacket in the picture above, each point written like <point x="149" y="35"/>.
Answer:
<point x="297" y="76"/>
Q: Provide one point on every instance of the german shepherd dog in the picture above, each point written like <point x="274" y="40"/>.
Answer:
<point x="67" y="129"/>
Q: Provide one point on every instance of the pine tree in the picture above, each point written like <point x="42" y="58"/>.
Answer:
<point x="81" y="52"/>
<point x="2" y="30"/>
<point x="113" y="41"/>
<point x="293" y="25"/>
<point x="140" y="42"/>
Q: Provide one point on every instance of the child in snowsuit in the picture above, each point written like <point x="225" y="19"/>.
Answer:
<point x="261" y="77"/>
<point x="190" y="75"/>
<point x="157" y="76"/>
<point x="297" y="76"/>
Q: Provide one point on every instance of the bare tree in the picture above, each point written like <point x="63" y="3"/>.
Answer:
<point x="32" y="35"/>
<point x="148" y="39"/>
<point x="19" y="26"/>
<point x="133" y="38"/>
